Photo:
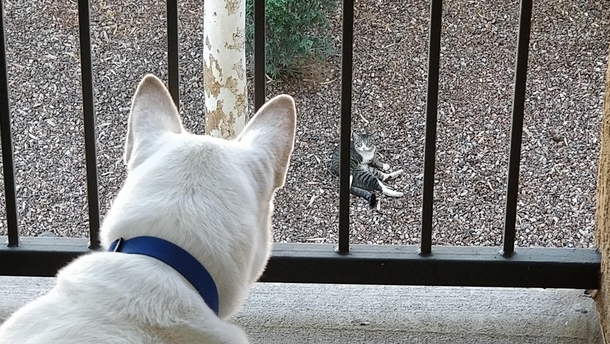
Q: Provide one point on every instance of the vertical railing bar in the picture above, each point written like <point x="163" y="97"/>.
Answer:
<point x="259" y="54"/>
<point x="89" y="123"/>
<point x="346" y="124"/>
<point x="173" y="63"/>
<point x="514" y="160"/>
<point x="7" y="143"/>
<point x="434" y="51"/>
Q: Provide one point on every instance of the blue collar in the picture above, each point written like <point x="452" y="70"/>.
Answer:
<point x="177" y="258"/>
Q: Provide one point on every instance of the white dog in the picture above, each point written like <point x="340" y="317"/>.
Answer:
<point x="209" y="197"/>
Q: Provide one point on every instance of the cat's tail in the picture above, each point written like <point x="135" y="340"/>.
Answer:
<point x="372" y="201"/>
<point x="367" y="195"/>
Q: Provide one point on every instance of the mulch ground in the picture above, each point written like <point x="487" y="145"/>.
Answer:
<point x="568" y="56"/>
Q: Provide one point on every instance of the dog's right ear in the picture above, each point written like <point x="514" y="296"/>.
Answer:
<point x="272" y="130"/>
<point x="153" y="114"/>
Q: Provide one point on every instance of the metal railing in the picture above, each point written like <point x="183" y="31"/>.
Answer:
<point x="325" y="263"/>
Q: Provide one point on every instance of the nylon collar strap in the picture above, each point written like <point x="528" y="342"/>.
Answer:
<point x="177" y="258"/>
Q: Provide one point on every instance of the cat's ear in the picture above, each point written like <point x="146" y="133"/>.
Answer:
<point x="153" y="114"/>
<point x="272" y="131"/>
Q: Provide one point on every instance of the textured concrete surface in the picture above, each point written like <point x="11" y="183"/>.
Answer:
<point x="308" y="313"/>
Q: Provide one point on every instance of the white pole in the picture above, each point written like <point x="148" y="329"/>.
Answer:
<point x="224" y="69"/>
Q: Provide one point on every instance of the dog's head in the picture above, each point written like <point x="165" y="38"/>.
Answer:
<point x="210" y="196"/>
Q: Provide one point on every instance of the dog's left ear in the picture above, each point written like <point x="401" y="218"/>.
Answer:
<point x="272" y="130"/>
<point x="153" y="114"/>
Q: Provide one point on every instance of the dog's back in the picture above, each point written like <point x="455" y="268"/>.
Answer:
<point x="211" y="197"/>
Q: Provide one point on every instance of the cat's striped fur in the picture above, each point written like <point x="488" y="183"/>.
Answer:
<point x="366" y="176"/>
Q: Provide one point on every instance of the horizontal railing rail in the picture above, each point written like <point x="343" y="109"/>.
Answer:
<point x="365" y="264"/>
<point x="322" y="263"/>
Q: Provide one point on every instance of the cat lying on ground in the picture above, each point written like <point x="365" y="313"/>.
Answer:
<point x="365" y="169"/>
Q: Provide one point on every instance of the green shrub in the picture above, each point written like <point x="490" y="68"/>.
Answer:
<point x="296" y="30"/>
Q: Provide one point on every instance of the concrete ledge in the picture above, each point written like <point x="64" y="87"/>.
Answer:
<point x="320" y="313"/>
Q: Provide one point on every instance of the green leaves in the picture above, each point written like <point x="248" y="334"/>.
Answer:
<point x="296" y="30"/>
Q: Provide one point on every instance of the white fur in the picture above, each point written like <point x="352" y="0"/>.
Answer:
<point x="393" y="175"/>
<point x="389" y="192"/>
<point x="367" y="155"/>
<point x="209" y="196"/>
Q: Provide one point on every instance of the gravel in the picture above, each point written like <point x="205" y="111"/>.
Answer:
<point x="568" y="56"/>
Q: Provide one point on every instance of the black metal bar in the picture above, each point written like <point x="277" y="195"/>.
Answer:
<point x="259" y="54"/>
<point x="7" y="143"/>
<point x="41" y="257"/>
<point x="512" y="189"/>
<point x="173" y="64"/>
<point x="449" y="266"/>
<point x="89" y="123"/>
<point x="366" y="264"/>
<point x="434" y="52"/>
<point x="346" y="124"/>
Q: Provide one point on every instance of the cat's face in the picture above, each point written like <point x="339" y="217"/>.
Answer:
<point x="364" y="142"/>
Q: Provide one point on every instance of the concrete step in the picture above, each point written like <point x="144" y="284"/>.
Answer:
<point x="317" y="313"/>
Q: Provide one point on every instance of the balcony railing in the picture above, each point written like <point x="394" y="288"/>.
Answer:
<point x="324" y="263"/>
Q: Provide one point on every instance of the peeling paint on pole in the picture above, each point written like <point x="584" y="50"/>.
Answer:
<point x="224" y="67"/>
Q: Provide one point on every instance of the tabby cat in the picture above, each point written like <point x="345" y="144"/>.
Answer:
<point x="365" y="174"/>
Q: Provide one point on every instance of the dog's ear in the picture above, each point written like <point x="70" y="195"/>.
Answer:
<point x="153" y="114"/>
<point x="272" y="130"/>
